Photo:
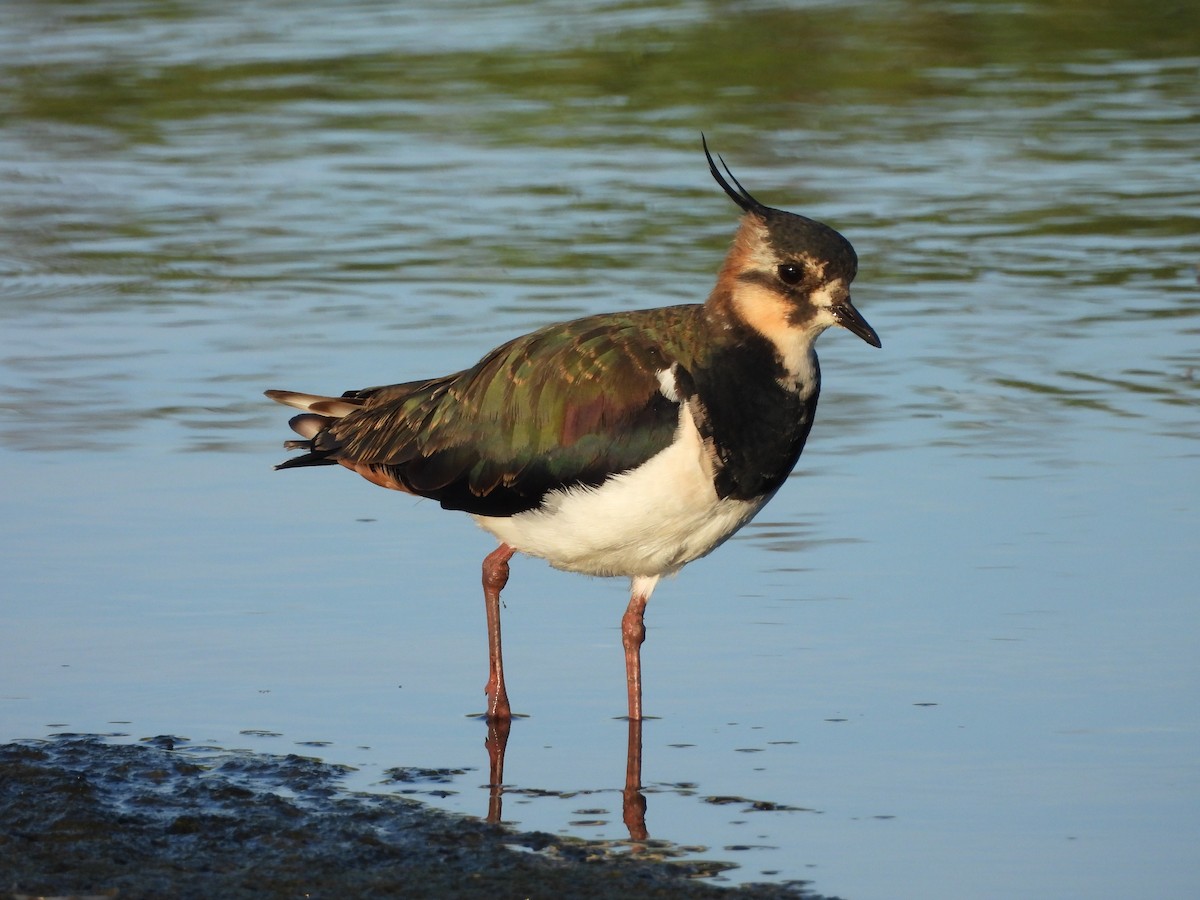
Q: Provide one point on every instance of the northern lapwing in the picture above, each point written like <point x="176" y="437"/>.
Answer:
<point x="626" y="443"/>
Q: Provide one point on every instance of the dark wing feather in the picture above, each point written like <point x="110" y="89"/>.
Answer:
<point x="570" y="404"/>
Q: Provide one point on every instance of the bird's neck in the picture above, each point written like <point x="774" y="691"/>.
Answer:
<point x="748" y="315"/>
<point x="754" y="402"/>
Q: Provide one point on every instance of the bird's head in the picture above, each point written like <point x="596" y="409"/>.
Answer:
<point x="787" y="276"/>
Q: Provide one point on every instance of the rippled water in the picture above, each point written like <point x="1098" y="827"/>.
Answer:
<point x="956" y="655"/>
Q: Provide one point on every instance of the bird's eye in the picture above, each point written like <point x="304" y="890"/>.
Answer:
<point x="791" y="273"/>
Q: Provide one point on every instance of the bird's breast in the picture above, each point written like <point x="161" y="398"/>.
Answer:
<point x="755" y="415"/>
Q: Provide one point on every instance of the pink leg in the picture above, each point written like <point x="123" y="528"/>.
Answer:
<point x="495" y="577"/>
<point x="633" y="633"/>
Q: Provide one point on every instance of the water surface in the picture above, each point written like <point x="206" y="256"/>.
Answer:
<point x="954" y="657"/>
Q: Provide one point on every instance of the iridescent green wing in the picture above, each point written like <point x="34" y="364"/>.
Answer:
<point x="570" y="404"/>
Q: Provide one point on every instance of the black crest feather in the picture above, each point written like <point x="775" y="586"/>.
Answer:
<point x="736" y="192"/>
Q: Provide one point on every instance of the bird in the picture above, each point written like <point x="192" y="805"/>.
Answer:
<point x="625" y="443"/>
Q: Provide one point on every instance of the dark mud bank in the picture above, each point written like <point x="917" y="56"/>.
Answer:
<point x="82" y="817"/>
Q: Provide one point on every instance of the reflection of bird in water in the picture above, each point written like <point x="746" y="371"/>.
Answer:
<point x="629" y="443"/>
<point x="633" y="801"/>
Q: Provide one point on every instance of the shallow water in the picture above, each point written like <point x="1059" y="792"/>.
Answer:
<point x="959" y="646"/>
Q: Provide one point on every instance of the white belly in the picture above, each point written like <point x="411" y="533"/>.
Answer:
<point x="650" y="521"/>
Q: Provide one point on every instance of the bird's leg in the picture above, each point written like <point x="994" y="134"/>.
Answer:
<point x="633" y="633"/>
<point x="495" y="576"/>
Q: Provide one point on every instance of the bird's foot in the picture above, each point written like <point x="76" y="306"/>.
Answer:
<point x="498" y="709"/>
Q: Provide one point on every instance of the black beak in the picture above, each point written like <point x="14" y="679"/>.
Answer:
<point x="851" y="319"/>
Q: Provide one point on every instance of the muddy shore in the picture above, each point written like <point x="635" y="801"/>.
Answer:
<point x="83" y="817"/>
